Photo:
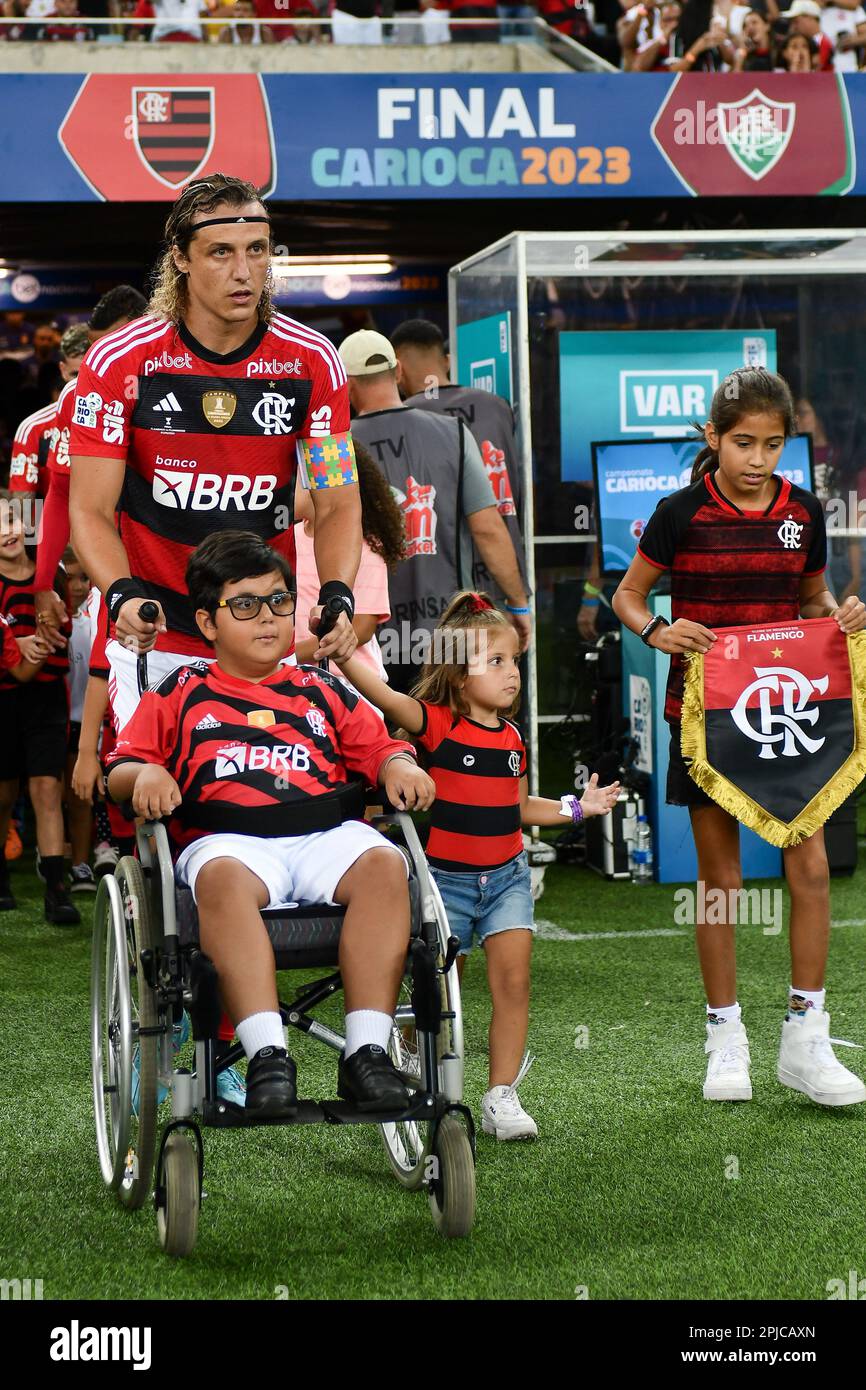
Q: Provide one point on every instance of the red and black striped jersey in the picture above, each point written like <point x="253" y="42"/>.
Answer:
<point x="17" y="603"/>
<point x="210" y="441"/>
<point x="237" y="746"/>
<point x="475" y="820"/>
<point x="731" y="567"/>
<point x="30" y="449"/>
<point x="57" y="460"/>
<point x="9" y="653"/>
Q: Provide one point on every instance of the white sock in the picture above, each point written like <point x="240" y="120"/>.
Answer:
<point x="729" y="1014"/>
<point x="261" y="1030"/>
<point x="806" y="999"/>
<point x="365" y="1026"/>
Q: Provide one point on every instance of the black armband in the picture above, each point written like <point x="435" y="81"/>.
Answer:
<point x="120" y="592"/>
<point x="336" y="589"/>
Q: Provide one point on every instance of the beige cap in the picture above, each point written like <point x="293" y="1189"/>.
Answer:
<point x="366" y="352"/>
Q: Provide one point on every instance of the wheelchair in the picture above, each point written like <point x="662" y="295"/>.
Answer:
<point x="147" y="967"/>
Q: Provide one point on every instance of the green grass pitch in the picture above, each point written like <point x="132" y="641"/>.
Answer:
<point x="636" y="1189"/>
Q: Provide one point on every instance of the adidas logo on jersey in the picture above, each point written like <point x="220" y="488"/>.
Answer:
<point x="169" y="404"/>
<point x="208" y="723"/>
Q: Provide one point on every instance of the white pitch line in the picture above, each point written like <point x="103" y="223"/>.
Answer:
<point x="849" y="922"/>
<point x="549" y="931"/>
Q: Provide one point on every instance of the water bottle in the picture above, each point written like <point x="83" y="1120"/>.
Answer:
<point x="642" y="853"/>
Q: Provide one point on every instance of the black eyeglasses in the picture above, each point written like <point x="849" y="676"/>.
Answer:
<point x="246" y="606"/>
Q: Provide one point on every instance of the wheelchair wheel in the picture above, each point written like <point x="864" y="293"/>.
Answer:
<point x="452" y="1185"/>
<point x="407" y="1143"/>
<point x="177" y="1213"/>
<point x="121" y="1004"/>
<point x="137" y="1182"/>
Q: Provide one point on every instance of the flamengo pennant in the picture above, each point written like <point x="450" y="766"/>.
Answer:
<point x="774" y="723"/>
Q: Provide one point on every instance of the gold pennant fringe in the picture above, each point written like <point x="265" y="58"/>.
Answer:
<point x="777" y="832"/>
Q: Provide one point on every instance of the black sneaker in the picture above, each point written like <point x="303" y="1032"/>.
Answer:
<point x="371" y="1081"/>
<point x="272" y="1083"/>
<point x="59" y="908"/>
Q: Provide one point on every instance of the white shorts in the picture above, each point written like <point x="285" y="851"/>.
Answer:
<point x="123" y="691"/>
<point x="293" y="868"/>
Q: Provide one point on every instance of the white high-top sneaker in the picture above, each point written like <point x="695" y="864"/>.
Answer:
<point x="501" y="1111"/>
<point x="728" y="1068"/>
<point x="807" y="1062"/>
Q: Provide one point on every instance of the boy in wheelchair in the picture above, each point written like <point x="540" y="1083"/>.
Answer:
<point x="249" y="758"/>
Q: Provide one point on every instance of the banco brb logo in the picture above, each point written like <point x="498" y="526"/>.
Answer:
<point x="783" y="725"/>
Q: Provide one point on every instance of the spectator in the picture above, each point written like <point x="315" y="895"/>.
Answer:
<point x="251" y="33"/>
<point x="16" y="334"/>
<point x="756" y="53"/>
<point x="59" y="33"/>
<point x="434" y="467"/>
<point x="674" y="53"/>
<point x="805" y="17"/>
<point x="637" y="27"/>
<point x="268" y="10"/>
<point x="798" y="54"/>
<point x="356" y="21"/>
<point x="9" y="33"/>
<point x="474" y="9"/>
<point x="514" y="14"/>
<point x="118" y="306"/>
<point x="424" y="378"/>
<point x="576" y="19"/>
<point x="178" y="20"/>
<point x="845" y="27"/>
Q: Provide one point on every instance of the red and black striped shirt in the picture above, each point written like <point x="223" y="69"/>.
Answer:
<point x="475" y="820"/>
<point x="16" y="601"/>
<point x="731" y="567"/>
<point x="9" y="654"/>
<point x="253" y="746"/>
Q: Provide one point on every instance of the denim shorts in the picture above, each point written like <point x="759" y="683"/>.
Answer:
<point x="482" y="904"/>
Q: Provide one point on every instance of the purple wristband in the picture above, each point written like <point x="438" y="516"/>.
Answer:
<point x="576" y="810"/>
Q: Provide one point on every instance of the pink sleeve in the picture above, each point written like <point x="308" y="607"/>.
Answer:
<point x="371" y="585"/>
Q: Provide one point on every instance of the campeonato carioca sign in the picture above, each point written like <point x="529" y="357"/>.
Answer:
<point x="141" y="137"/>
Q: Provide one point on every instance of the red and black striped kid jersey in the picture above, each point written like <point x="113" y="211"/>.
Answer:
<point x="210" y="441"/>
<point x="30" y="449"/>
<point x="731" y="567"/>
<point x="9" y="653"/>
<point x="17" y="603"/>
<point x="237" y="745"/>
<point x="475" y="820"/>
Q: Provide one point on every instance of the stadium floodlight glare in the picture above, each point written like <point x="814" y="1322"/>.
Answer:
<point x="286" y="267"/>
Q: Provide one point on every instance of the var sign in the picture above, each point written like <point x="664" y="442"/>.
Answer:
<point x="664" y="402"/>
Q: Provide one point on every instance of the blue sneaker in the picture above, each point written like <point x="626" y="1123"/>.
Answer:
<point x="179" y="1035"/>
<point x="231" y="1086"/>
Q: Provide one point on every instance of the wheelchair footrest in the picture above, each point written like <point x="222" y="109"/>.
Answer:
<point x="222" y="1114"/>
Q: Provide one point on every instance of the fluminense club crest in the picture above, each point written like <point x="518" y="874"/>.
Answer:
<point x="756" y="131"/>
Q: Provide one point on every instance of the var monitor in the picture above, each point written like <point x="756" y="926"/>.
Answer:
<point x="631" y="476"/>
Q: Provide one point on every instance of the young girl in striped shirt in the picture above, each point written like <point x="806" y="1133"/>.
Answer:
<point x="727" y="540"/>
<point x="460" y="715"/>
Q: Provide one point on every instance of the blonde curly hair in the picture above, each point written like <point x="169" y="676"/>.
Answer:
<point x="169" y="293"/>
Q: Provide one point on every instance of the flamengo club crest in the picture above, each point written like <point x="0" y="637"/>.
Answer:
<point x="757" y="131"/>
<point x="219" y="407"/>
<point x="780" y="726"/>
<point x="173" y="130"/>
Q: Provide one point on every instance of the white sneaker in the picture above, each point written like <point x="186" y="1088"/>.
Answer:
<point x="728" y="1067"/>
<point x="807" y="1062"/>
<point x="501" y="1111"/>
<point x="104" y="859"/>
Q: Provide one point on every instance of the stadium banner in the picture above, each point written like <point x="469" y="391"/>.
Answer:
<point x="774" y="723"/>
<point x="644" y="385"/>
<point x="483" y="357"/>
<point x="141" y="137"/>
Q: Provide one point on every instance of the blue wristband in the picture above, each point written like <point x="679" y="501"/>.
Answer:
<point x="589" y="603"/>
<point x="522" y="612"/>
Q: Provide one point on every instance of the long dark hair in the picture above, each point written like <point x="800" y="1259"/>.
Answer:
<point x="746" y="391"/>
<point x="382" y="523"/>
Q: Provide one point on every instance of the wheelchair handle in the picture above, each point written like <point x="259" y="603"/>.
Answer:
<point x="330" y="614"/>
<point x="148" y="613"/>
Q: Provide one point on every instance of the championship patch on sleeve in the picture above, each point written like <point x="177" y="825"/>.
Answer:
<point x="328" y="462"/>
